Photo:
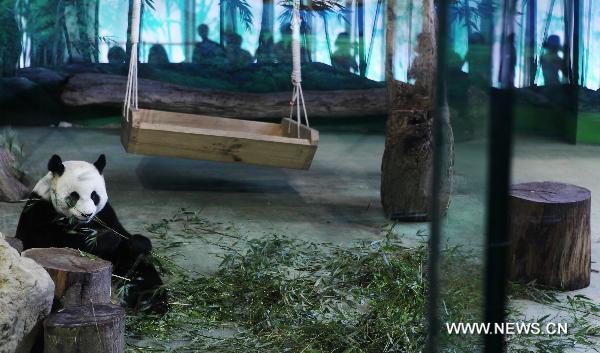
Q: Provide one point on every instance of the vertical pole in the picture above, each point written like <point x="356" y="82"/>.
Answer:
<point x="222" y="22"/>
<point x="499" y="163"/>
<point x="349" y="12"/>
<point x="96" y="31"/>
<point x="390" y="29"/>
<point x="409" y="42"/>
<point x="440" y="127"/>
<point x="576" y="36"/>
<point x="360" y="18"/>
<point x="266" y="22"/>
<point x="530" y="34"/>
<point x="189" y="28"/>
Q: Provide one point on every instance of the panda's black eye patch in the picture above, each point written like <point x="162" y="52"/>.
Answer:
<point x="95" y="198"/>
<point x="72" y="199"/>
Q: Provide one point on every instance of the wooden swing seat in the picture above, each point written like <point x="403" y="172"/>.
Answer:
<point x="170" y="134"/>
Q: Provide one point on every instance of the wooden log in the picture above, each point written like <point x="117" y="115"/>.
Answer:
<point x="11" y="188"/>
<point x="551" y="234"/>
<point x="79" y="278"/>
<point x="92" y="328"/>
<point x="109" y="90"/>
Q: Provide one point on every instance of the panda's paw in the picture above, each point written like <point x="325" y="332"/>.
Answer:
<point x="139" y="245"/>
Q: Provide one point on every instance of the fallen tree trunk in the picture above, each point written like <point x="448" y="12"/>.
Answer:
<point x="109" y="90"/>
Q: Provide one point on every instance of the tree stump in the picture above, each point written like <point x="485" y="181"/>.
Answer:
<point x="97" y="328"/>
<point x="79" y="278"/>
<point x="551" y="234"/>
<point x="407" y="166"/>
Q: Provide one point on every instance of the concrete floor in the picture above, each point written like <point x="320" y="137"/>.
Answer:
<point x="336" y="201"/>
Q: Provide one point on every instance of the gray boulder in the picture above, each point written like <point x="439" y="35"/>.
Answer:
<point x="26" y="293"/>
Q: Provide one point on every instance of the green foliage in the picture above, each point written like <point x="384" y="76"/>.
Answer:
<point x="470" y="12"/>
<point x="276" y="294"/>
<point x="9" y="141"/>
<point x="10" y="38"/>
<point x="242" y="8"/>
<point x="321" y="8"/>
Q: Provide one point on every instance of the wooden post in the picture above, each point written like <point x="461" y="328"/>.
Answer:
<point x="551" y="234"/>
<point x="93" y="328"/>
<point x="79" y="278"/>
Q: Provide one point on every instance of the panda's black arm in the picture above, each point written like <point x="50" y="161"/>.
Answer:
<point x="36" y="227"/>
<point x="120" y="243"/>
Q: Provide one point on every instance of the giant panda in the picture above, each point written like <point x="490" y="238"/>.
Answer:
<point x="69" y="207"/>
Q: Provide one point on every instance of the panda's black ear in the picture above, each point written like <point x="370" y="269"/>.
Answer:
<point x="55" y="165"/>
<point x="100" y="163"/>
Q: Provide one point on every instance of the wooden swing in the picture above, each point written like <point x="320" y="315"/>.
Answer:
<point x="289" y="144"/>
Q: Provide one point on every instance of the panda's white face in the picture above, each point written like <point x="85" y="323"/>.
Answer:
<point x="76" y="189"/>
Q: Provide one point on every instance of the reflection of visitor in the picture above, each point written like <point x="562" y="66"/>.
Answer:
<point x="478" y="57"/>
<point x="116" y="55"/>
<point x="508" y="60"/>
<point x="207" y="51"/>
<point x="551" y="63"/>
<point x="237" y="56"/>
<point x="342" y="57"/>
<point x="157" y="55"/>
<point x="283" y="48"/>
<point x="265" y="51"/>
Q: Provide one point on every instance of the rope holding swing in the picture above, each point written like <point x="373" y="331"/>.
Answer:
<point x="297" y="102"/>
<point x="131" y="92"/>
<point x="298" y="108"/>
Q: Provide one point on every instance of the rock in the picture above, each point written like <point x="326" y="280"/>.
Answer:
<point x="26" y="293"/>
<point x="42" y="76"/>
<point x="13" y="87"/>
<point x="17" y="244"/>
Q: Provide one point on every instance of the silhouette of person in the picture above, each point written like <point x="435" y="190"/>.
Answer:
<point x="237" y="56"/>
<point x="283" y="48"/>
<point x="116" y="55"/>
<point x="342" y="56"/>
<point x="478" y="57"/>
<point x="508" y="59"/>
<point x="207" y="51"/>
<point x="265" y="53"/>
<point x="157" y="55"/>
<point x="551" y="63"/>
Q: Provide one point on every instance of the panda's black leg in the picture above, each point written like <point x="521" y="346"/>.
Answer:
<point x="144" y="285"/>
